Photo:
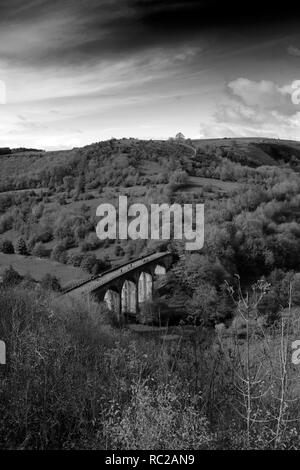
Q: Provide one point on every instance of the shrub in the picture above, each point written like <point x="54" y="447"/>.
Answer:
<point x="57" y="251"/>
<point x="75" y="259"/>
<point x="179" y="177"/>
<point x="62" y="200"/>
<point x="11" y="277"/>
<point x="45" y="235"/>
<point x="119" y="251"/>
<point x="50" y="282"/>
<point x="85" y="246"/>
<point x="99" y="266"/>
<point x="47" y="381"/>
<point x="21" y="247"/>
<point x="7" y="247"/>
<point x="88" y="262"/>
<point x="158" y="418"/>
<point x="93" y="241"/>
<point x="203" y="304"/>
<point x="28" y="282"/>
<point x="6" y="222"/>
<point x="39" y="250"/>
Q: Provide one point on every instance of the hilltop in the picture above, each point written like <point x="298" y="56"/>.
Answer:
<point x="133" y="161"/>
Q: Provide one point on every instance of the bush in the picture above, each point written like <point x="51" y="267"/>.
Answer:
<point x="75" y="259"/>
<point x="62" y="200"/>
<point x="93" y="241"/>
<point x="58" y="251"/>
<point x="7" y="247"/>
<point x="179" y="177"/>
<point x="119" y="251"/>
<point x="203" y="304"/>
<point x="100" y="266"/>
<point x="88" y="262"/>
<point x="6" y="222"/>
<point x="21" y="247"/>
<point x="39" y="250"/>
<point x="50" y="282"/>
<point x="11" y="277"/>
<point x="155" y="419"/>
<point x="85" y="246"/>
<point x="45" y="392"/>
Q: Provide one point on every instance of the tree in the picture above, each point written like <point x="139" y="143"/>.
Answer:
<point x="7" y="247"/>
<point x="179" y="177"/>
<point x="80" y="185"/>
<point x="75" y="259"/>
<point x="119" y="251"/>
<point x="57" y="251"/>
<point x="39" y="250"/>
<point x="179" y="136"/>
<point x="203" y="305"/>
<point x="11" y="277"/>
<point x="50" y="282"/>
<point x="68" y="184"/>
<point x="100" y="266"/>
<point x="88" y="262"/>
<point x="21" y="247"/>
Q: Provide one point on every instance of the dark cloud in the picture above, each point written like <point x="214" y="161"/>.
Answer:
<point x="96" y="29"/>
<point x="193" y="14"/>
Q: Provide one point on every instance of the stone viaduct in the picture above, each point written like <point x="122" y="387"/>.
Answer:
<point x="126" y="287"/>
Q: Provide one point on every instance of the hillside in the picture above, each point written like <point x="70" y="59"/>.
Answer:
<point x="50" y="199"/>
<point x="254" y="151"/>
<point x="243" y="280"/>
<point x="134" y="161"/>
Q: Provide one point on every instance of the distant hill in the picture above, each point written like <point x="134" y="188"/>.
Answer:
<point x="5" y="151"/>
<point x="137" y="162"/>
<point x="24" y="149"/>
<point x="9" y="151"/>
<point x="254" y="151"/>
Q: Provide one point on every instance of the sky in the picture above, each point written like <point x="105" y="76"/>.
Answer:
<point x="75" y="72"/>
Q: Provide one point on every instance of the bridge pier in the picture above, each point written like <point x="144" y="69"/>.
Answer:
<point x="145" y="287"/>
<point x="128" y="297"/>
<point x="113" y="300"/>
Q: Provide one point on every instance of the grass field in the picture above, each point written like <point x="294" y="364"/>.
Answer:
<point x="38" y="268"/>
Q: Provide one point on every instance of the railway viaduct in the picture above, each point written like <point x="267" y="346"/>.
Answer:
<point x="126" y="287"/>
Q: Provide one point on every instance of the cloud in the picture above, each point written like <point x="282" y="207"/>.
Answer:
<point x="173" y="14"/>
<point x="69" y="31"/>
<point x="292" y="50"/>
<point x="94" y="60"/>
<point x="263" y="95"/>
<point x="255" y="109"/>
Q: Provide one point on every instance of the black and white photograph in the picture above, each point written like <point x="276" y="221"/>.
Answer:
<point x="149" y="228"/>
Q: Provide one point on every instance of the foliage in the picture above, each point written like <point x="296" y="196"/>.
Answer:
<point x="21" y="247"/>
<point x="39" y="250"/>
<point x="6" y="246"/>
<point x="50" y="282"/>
<point x="10" y="277"/>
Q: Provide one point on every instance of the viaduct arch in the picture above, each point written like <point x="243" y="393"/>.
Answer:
<point x="127" y="287"/>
